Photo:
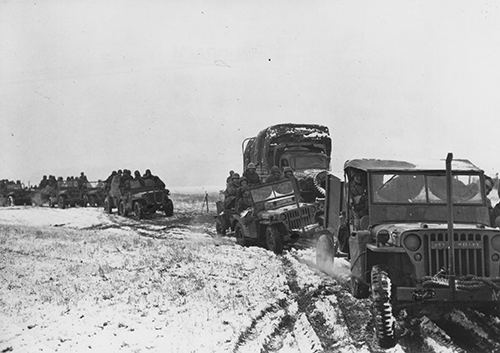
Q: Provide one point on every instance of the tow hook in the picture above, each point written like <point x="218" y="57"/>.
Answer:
<point x="423" y="294"/>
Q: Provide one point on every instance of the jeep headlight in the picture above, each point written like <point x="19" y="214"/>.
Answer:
<point x="412" y="242"/>
<point x="382" y="236"/>
<point x="495" y="242"/>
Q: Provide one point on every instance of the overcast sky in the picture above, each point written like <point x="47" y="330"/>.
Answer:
<point x="175" y="86"/>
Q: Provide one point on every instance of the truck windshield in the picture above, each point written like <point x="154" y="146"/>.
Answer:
<point x="422" y="189"/>
<point x="310" y="162"/>
<point x="272" y="191"/>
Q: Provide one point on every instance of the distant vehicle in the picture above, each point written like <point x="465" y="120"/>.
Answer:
<point x="275" y="217"/>
<point x="306" y="148"/>
<point x="68" y="194"/>
<point x="423" y="238"/>
<point x="95" y="193"/>
<point x="15" y="194"/>
<point x="143" y="200"/>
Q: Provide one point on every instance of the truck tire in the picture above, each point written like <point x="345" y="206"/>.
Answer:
<point x="240" y="236"/>
<point x="138" y="210"/>
<point x="382" y="307"/>
<point x="274" y="239"/>
<point x="169" y="208"/>
<point x="107" y="206"/>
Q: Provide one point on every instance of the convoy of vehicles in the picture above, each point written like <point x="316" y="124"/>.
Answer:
<point x="414" y="234"/>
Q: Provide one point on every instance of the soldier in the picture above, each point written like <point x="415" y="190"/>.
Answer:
<point x="275" y="174"/>
<point x="251" y="175"/>
<point x="231" y="192"/>
<point x="138" y="177"/>
<point x="358" y="195"/>
<point x="82" y="181"/>
<point x="114" y="191"/>
<point x="156" y="181"/>
<point x="44" y="182"/>
<point x="243" y="198"/>
<point x="230" y="177"/>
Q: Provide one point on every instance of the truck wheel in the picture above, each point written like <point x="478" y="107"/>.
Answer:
<point x="60" y="202"/>
<point x="325" y="251"/>
<point x="169" y="208"/>
<point x="11" y="201"/>
<point x="107" y="206"/>
<point x="239" y="235"/>
<point x="138" y="210"/>
<point x="359" y="290"/>
<point x="274" y="239"/>
<point x="382" y="307"/>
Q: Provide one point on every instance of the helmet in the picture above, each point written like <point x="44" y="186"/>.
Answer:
<point x="235" y="176"/>
<point x="275" y="169"/>
<point x="287" y="169"/>
<point x="242" y="179"/>
<point x="251" y="166"/>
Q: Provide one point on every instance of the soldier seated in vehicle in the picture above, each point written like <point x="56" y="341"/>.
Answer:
<point x="138" y="178"/>
<point x="251" y="175"/>
<point x="152" y="180"/>
<point x="275" y="174"/>
<point x="358" y="199"/>
<point x="44" y="182"/>
<point x="231" y="192"/>
<point x="243" y="198"/>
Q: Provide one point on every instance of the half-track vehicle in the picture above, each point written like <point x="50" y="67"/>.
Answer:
<point x="68" y="194"/>
<point x="144" y="199"/>
<point x="306" y="148"/>
<point x="420" y="236"/>
<point x="14" y="194"/>
<point x="275" y="216"/>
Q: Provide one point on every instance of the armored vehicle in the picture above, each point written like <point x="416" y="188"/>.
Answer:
<point x="306" y="148"/>
<point x="68" y="193"/>
<point x="418" y="234"/>
<point x="145" y="198"/>
<point x="275" y="216"/>
<point x="16" y="194"/>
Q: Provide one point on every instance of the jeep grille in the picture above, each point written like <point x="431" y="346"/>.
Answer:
<point x="300" y="217"/>
<point x="470" y="252"/>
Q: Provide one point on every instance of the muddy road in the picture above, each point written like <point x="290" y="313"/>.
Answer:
<point x="80" y="280"/>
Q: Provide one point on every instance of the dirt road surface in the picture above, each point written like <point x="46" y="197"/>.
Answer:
<point x="78" y="280"/>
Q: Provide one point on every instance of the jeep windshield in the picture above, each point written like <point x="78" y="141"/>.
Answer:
<point x="425" y="188"/>
<point x="315" y="161"/>
<point x="272" y="191"/>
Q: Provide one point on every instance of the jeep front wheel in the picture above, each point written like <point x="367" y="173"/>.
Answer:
<point x="382" y="307"/>
<point x="169" y="208"/>
<point x="138" y="210"/>
<point x="274" y="239"/>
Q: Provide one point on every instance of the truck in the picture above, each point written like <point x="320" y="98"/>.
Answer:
<point x="421" y="236"/>
<point x="306" y="148"/>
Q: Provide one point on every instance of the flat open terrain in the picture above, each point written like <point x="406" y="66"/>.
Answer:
<point x="78" y="280"/>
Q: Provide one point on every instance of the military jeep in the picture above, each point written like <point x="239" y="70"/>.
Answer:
<point x="16" y="194"/>
<point x="144" y="199"/>
<point x="68" y="194"/>
<point x="423" y="237"/>
<point x="275" y="217"/>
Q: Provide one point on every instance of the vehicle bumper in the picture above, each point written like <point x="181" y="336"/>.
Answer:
<point x="485" y="294"/>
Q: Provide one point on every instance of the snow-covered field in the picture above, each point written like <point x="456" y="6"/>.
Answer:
<point x="78" y="280"/>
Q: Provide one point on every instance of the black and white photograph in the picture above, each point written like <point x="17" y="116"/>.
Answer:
<point x="249" y="176"/>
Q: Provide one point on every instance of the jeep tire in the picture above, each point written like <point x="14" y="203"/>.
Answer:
<point x="382" y="307"/>
<point x="274" y="239"/>
<point x="168" y="207"/>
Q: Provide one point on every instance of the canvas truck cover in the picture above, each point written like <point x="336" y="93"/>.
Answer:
<point x="259" y="149"/>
